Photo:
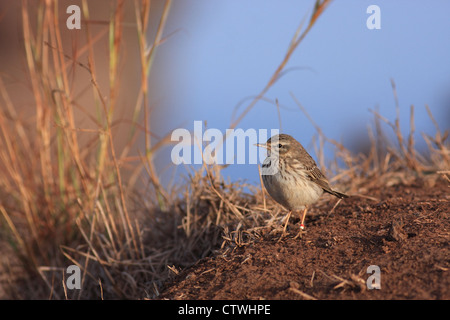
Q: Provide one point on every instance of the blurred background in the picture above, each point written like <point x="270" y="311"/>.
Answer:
<point x="218" y="54"/>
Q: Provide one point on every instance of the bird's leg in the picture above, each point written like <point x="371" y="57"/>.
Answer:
<point x="302" y="224"/>
<point x="285" y="225"/>
<point x="287" y="221"/>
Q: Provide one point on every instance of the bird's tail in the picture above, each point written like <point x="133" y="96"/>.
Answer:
<point x="340" y="195"/>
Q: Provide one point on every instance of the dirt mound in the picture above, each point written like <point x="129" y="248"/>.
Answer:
<point x="405" y="232"/>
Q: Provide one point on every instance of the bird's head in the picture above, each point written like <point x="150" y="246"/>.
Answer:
<point x="279" y="144"/>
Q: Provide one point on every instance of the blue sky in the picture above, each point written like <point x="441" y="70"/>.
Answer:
<point x="226" y="51"/>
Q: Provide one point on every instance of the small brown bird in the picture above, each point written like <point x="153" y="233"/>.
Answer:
<point x="291" y="176"/>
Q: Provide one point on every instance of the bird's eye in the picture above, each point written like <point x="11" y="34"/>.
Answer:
<point x="280" y="145"/>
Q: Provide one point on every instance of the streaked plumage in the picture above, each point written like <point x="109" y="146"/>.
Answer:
<point x="291" y="175"/>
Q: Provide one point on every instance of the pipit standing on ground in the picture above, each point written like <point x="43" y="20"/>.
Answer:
<point x="291" y="175"/>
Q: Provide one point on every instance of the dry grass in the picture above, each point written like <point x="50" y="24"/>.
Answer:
<point x="62" y="184"/>
<point x="66" y="202"/>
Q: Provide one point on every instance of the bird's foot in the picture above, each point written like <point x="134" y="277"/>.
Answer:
<point x="301" y="232"/>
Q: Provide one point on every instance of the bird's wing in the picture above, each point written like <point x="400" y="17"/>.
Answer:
<point x="316" y="176"/>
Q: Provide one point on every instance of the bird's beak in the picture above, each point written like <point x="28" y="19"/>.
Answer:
<point x="263" y="145"/>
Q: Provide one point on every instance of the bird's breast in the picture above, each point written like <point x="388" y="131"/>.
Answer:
<point x="291" y="188"/>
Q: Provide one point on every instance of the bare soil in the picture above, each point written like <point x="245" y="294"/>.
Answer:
<point x="405" y="232"/>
